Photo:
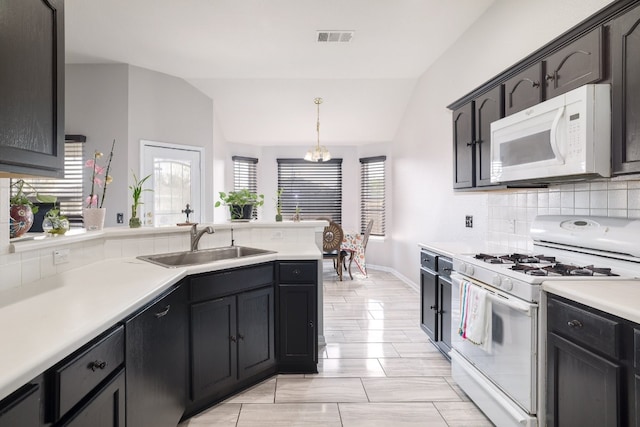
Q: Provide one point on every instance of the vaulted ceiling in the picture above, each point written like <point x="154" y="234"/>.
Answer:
<point x="261" y="63"/>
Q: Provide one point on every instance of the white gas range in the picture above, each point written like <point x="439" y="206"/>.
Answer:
<point x="503" y="376"/>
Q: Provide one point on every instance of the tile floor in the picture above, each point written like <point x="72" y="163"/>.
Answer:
<point x="377" y="369"/>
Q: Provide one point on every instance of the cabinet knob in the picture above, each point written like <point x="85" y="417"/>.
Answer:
<point x="469" y="144"/>
<point x="240" y="336"/>
<point x="574" y="324"/>
<point x="549" y="77"/>
<point x="535" y="84"/>
<point x="233" y="338"/>
<point x="433" y="307"/>
<point x="296" y="272"/>
<point x="97" y="364"/>
<point x="311" y="324"/>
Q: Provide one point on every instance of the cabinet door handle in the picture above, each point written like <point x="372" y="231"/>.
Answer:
<point x="469" y="144"/>
<point x="163" y="312"/>
<point x="433" y="307"/>
<point x="311" y="324"/>
<point x="240" y="337"/>
<point x="549" y="77"/>
<point x="449" y="270"/>
<point x="97" y="364"/>
<point x="535" y="84"/>
<point x="233" y="338"/>
<point x="574" y="324"/>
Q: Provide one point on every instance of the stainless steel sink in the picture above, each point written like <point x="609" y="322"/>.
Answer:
<point x="183" y="259"/>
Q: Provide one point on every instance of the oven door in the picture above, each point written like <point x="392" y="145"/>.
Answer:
<point x="511" y="361"/>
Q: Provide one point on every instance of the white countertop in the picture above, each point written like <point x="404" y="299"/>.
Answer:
<point x="618" y="297"/>
<point x="451" y="249"/>
<point x="45" y="321"/>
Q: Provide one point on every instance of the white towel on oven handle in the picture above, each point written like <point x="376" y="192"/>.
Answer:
<point x="478" y="317"/>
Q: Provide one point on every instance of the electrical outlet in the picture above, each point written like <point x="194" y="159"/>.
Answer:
<point x="61" y="256"/>
<point x="468" y="221"/>
<point x="120" y="218"/>
<point x="277" y="235"/>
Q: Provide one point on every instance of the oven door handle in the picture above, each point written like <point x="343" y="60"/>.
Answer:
<point x="523" y="308"/>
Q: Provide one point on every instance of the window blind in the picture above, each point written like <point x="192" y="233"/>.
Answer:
<point x="372" y="194"/>
<point x="316" y="188"/>
<point x="245" y="175"/>
<point x="68" y="190"/>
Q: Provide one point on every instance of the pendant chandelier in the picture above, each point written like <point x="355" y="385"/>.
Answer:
<point x="318" y="153"/>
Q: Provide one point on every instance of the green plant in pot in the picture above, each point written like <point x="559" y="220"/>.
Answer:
<point x="279" y="204"/>
<point x="136" y="194"/>
<point x="241" y="203"/>
<point x="22" y="208"/>
<point x="54" y="223"/>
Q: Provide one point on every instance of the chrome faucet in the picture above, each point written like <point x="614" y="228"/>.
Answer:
<point x="196" y="235"/>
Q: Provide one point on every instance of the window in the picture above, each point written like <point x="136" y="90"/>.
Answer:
<point x="372" y="201"/>
<point x="68" y="189"/>
<point x="245" y="175"/>
<point x="316" y="188"/>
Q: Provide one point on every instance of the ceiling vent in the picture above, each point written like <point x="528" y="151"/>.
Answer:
<point x="335" y="36"/>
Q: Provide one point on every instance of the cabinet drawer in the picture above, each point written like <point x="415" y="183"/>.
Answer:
<point x="579" y="325"/>
<point x="76" y="376"/>
<point x="445" y="267"/>
<point x="298" y="272"/>
<point x="428" y="260"/>
<point x="216" y="285"/>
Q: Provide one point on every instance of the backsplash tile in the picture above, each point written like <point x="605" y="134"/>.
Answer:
<point x="511" y="212"/>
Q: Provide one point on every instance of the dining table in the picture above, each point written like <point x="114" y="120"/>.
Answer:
<point x="353" y="244"/>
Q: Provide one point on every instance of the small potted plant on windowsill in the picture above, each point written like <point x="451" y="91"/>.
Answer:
<point x="22" y="208"/>
<point x="136" y="195"/>
<point x="241" y="203"/>
<point x="54" y="223"/>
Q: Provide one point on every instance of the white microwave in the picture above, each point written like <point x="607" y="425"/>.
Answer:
<point x="568" y="136"/>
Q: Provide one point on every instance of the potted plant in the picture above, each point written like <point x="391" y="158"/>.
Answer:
<point x="22" y="208"/>
<point x="136" y="194"/>
<point x="241" y="203"/>
<point x="93" y="213"/>
<point x="279" y="204"/>
<point x="54" y="223"/>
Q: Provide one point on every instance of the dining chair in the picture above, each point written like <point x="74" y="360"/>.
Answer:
<point x="331" y="240"/>
<point x="365" y="240"/>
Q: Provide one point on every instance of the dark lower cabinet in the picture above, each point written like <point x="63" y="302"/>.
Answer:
<point x="583" y="388"/>
<point x="156" y="360"/>
<point x="435" y="299"/>
<point x="105" y="409"/>
<point x="214" y="360"/>
<point x="232" y="338"/>
<point x="21" y="408"/>
<point x="297" y="316"/>
<point x="592" y="376"/>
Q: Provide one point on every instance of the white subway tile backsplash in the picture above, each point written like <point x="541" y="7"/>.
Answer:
<point x="555" y="200"/>
<point x="581" y="200"/>
<point x="618" y="213"/>
<point x="633" y="185"/>
<point x="617" y="199"/>
<point x="543" y="199"/>
<point x="582" y="186"/>
<point x="617" y="185"/>
<point x="633" y="213"/>
<point x="532" y="199"/>
<point x="598" y="212"/>
<point x="598" y="200"/>
<point x="581" y="211"/>
<point x="633" y="198"/>
<point x="598" y="185"/>
<point x="567" y="199"/>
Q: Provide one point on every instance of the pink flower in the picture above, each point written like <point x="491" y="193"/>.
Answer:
<point x="89" y="163"/>
<point x="99" y="169"/>
<point x="92" y="200"/>
<point x="97" y="180"/>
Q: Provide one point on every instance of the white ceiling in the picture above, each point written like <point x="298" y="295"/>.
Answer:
<point x="260" y="62"/>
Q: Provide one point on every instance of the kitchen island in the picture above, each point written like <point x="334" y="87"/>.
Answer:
<point x="48" y="319"/>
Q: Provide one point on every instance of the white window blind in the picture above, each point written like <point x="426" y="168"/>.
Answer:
<point x="316" y="188"/>
<point x="245" y="175"/>
<point x="68" y="189"/>
<point x="372" y="194"/>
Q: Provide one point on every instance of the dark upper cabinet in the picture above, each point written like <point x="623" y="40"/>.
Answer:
<point x="463" y="154"/>
<point x="576" y="64"/>
<point x="32" y="87"/>
<point x="156" y="360"/>
<point x="624" y="45"/>
<point x="488" y="108"/>
<point x="523" y="90"/>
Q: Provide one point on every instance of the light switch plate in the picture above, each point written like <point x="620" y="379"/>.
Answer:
<point x="468" y="221"/>
<point x="61" y="256"/>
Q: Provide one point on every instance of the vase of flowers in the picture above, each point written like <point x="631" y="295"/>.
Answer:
<point x="93" y="213"/>
<point x="136" y="194"/>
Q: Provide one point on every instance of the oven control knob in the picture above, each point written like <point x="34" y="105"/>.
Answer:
<point x="496" y="280"/>
<point x="507" y="285"/>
